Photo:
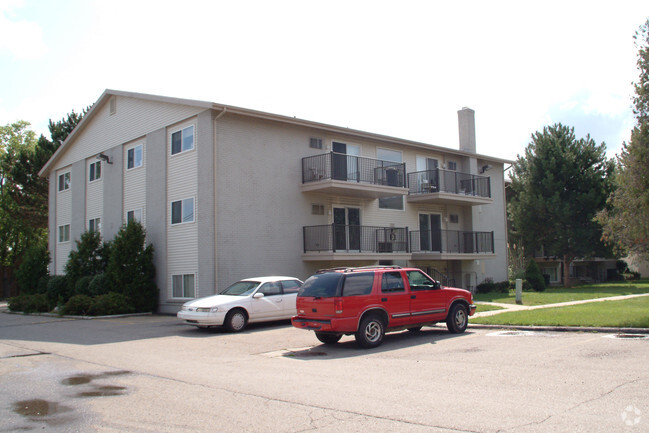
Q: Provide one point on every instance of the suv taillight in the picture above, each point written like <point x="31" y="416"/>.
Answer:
<point x="338" y="305"/>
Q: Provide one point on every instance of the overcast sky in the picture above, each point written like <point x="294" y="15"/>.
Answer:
<point x="400" y="68"/>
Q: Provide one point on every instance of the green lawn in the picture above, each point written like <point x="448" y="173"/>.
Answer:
<point x="555" y="295"/>
<point x="480" y="308"/>
<point x="628" y="313"/>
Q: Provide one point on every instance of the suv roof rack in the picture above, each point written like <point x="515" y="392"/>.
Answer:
<point x="357" y="268"/>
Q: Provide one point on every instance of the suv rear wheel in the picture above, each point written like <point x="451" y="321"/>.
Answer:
<point x="371" y="332"/>
<point x="328" y="338"/>
<point x="457" y="319"/>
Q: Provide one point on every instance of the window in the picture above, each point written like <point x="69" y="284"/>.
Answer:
<point x="134" y="215"/>
<point x="317" y="209"/>
<point x="291" y="286"/>
<point x="392" y="282"/>
<point x="419" y="281"/>
<point x="454" y="218"/>
<point x="182" y="211"/>
<point x="452" y="165"/>
<point x="64" y="233"/>
<point x="94" y="171"/>
<point x="182" y="286"/>
<point x="358" y="284"/>
<point x="271" y="289"/>
<point x="183" y="140"/>
<point x="64" y="181"/>
<point x="113" y="106"/>
<point x="134" y="157"/>
<point x="94" y="225"/>
<point x="315" y="143"/>
<point x="395" y="202"/>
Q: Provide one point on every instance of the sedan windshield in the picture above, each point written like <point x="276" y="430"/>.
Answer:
<point x="241" y="288"/>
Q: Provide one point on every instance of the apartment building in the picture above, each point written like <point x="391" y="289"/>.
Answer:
<point x="227" y="193"/>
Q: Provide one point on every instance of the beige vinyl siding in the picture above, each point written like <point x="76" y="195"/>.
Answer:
<point x="63" y="217"/>
<point x="133" y="119"/>
<point x="135" y="183"/>
<point x="182" y="183"/>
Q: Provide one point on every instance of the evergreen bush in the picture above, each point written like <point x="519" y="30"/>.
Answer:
<point x="99" y="285"/>
<point x="110" y="304"/>
<point x="33" y="268"/>
<point x="78" y="305"/>
<point x="534" y="277"/>
<point x="58" y="291"/>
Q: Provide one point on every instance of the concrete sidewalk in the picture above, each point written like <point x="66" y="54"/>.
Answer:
<point x="516" y="307"/>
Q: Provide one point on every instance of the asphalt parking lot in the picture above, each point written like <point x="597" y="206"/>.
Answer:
<point x="154" y="374"/>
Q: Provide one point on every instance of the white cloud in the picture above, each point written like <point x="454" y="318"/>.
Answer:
<point x="23" y="39"/>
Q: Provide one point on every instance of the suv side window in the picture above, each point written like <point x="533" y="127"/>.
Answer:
<point x="420" y="281"/>
<point x="392" y="282"/>
<point x="358" y="284"/>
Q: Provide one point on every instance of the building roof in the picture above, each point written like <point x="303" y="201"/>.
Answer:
<point x="230" y="109"/>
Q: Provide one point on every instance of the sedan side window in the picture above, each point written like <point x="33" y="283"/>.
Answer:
<point x="270" y="289"/>
<point x="290" y="286"/>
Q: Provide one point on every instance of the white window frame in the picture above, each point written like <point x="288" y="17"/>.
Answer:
<point x="94" y="225"/>
<point x="174" y="278"/>
<point x="134" y="149"/>
<point x="454" y="163"/>
<point x="67" y="181"/>
<point x="183" y="203"/>
<point x="182" y="140"/>
<point x="63" y="233"/>
<point x="136" y="217"/>
<point x="93" y="169"/>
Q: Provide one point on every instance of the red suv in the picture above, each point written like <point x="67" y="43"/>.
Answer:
<point x="369" y="301"/>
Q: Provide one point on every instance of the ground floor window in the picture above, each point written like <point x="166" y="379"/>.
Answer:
<point x="552" y="272"/>
<point x="94" y="225"/>
<point x="64" y="233"/>
<point x="183" y="286"/>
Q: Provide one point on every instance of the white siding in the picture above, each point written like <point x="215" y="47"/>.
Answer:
<point x="182" y="183"/>
<point x="63" y="217"/>
<point x="134" y="118"/>
<point x="135" y="183"/>
<point x="94" y="196"/>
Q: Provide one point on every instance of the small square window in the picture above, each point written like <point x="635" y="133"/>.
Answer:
<point x="317" y="209"/>
<point x="452" y="165"/>
<point x="183" y="286"/>
<point x="64" y="181"/>
<point x="94" y="225"/>
<point x="94" y="171"/>
<point x="315" y="143"/>
<point x="183" y="140"/>
<point x="64" y="233"/>
<point x="134" y="157"/>
<point x="182" y="211"/>
<point x="134" y="215"/>
<point x="454" y="218"/>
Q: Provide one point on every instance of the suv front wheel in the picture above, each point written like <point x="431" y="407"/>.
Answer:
<point x="371" y="332"/>
<point x="457" y="319"/>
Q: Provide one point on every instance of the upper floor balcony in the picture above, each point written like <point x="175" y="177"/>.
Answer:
<point x="448" y="186"/>
<point x="355" y="176"/>
<point x="451" y="244"/>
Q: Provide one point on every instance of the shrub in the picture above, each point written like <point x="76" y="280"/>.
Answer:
<point x="33" y="268"/>
<point x="42" y="284"/>
<point x="34" y="303"/>
<point x="503" y="286"/>
<point x="58" y="291"/>
<point x="534" y="277"/>
<point x="87" y="260"/>
<point x="82" y="286"/>
<point x="99" y="285"/>
<point x="485" y="287"/>
<point x="78" y="305"/>
<point x="110" y="304"/>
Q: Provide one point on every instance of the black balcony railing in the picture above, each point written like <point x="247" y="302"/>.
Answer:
<point x="354" y="238"/>
<point x="449" y="181"/>
<point x="338" y="166"/>
<point x="451" y="241"/>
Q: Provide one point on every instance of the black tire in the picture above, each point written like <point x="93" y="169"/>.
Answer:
<point x="235" y="320"/>
<point x="371" y="332"/>
<point x="415" y="329"/>
<point x="457" y="319"/>
<point x="328" y="338"/>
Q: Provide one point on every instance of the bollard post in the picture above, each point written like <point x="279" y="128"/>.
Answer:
<point x="519" y="291"/>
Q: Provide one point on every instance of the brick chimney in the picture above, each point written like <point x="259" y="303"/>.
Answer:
<point x="466" y="124"/>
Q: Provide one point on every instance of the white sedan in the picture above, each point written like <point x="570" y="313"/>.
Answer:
<point x="250" y="300"/>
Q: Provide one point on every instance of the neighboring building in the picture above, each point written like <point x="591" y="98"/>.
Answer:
<point x="226" y="193"/>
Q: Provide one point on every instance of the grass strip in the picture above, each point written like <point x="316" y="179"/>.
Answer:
<point x="628" y="313"/>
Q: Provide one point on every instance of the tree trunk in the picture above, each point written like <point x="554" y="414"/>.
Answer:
<point x="566" y="270"/>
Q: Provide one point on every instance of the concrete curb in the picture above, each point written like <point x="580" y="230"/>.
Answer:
<point x="116" y="316"/>
<point x="604" y="330"/>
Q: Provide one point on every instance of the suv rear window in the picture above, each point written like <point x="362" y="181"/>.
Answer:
<point x="321" y="285"/>
<point x="358" y="284"/>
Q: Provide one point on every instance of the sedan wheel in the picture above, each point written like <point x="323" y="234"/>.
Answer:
<point x="236" y="320"/>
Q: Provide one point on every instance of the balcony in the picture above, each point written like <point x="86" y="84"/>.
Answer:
<point x="353" y="176"/>
<point x="449" y="187"/>
<point x="451" y="245"/>
<point x="353" y="242"/>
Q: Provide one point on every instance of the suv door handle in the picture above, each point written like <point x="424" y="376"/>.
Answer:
<point x="413" y="296"/>
<point x="384" y="299"/>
